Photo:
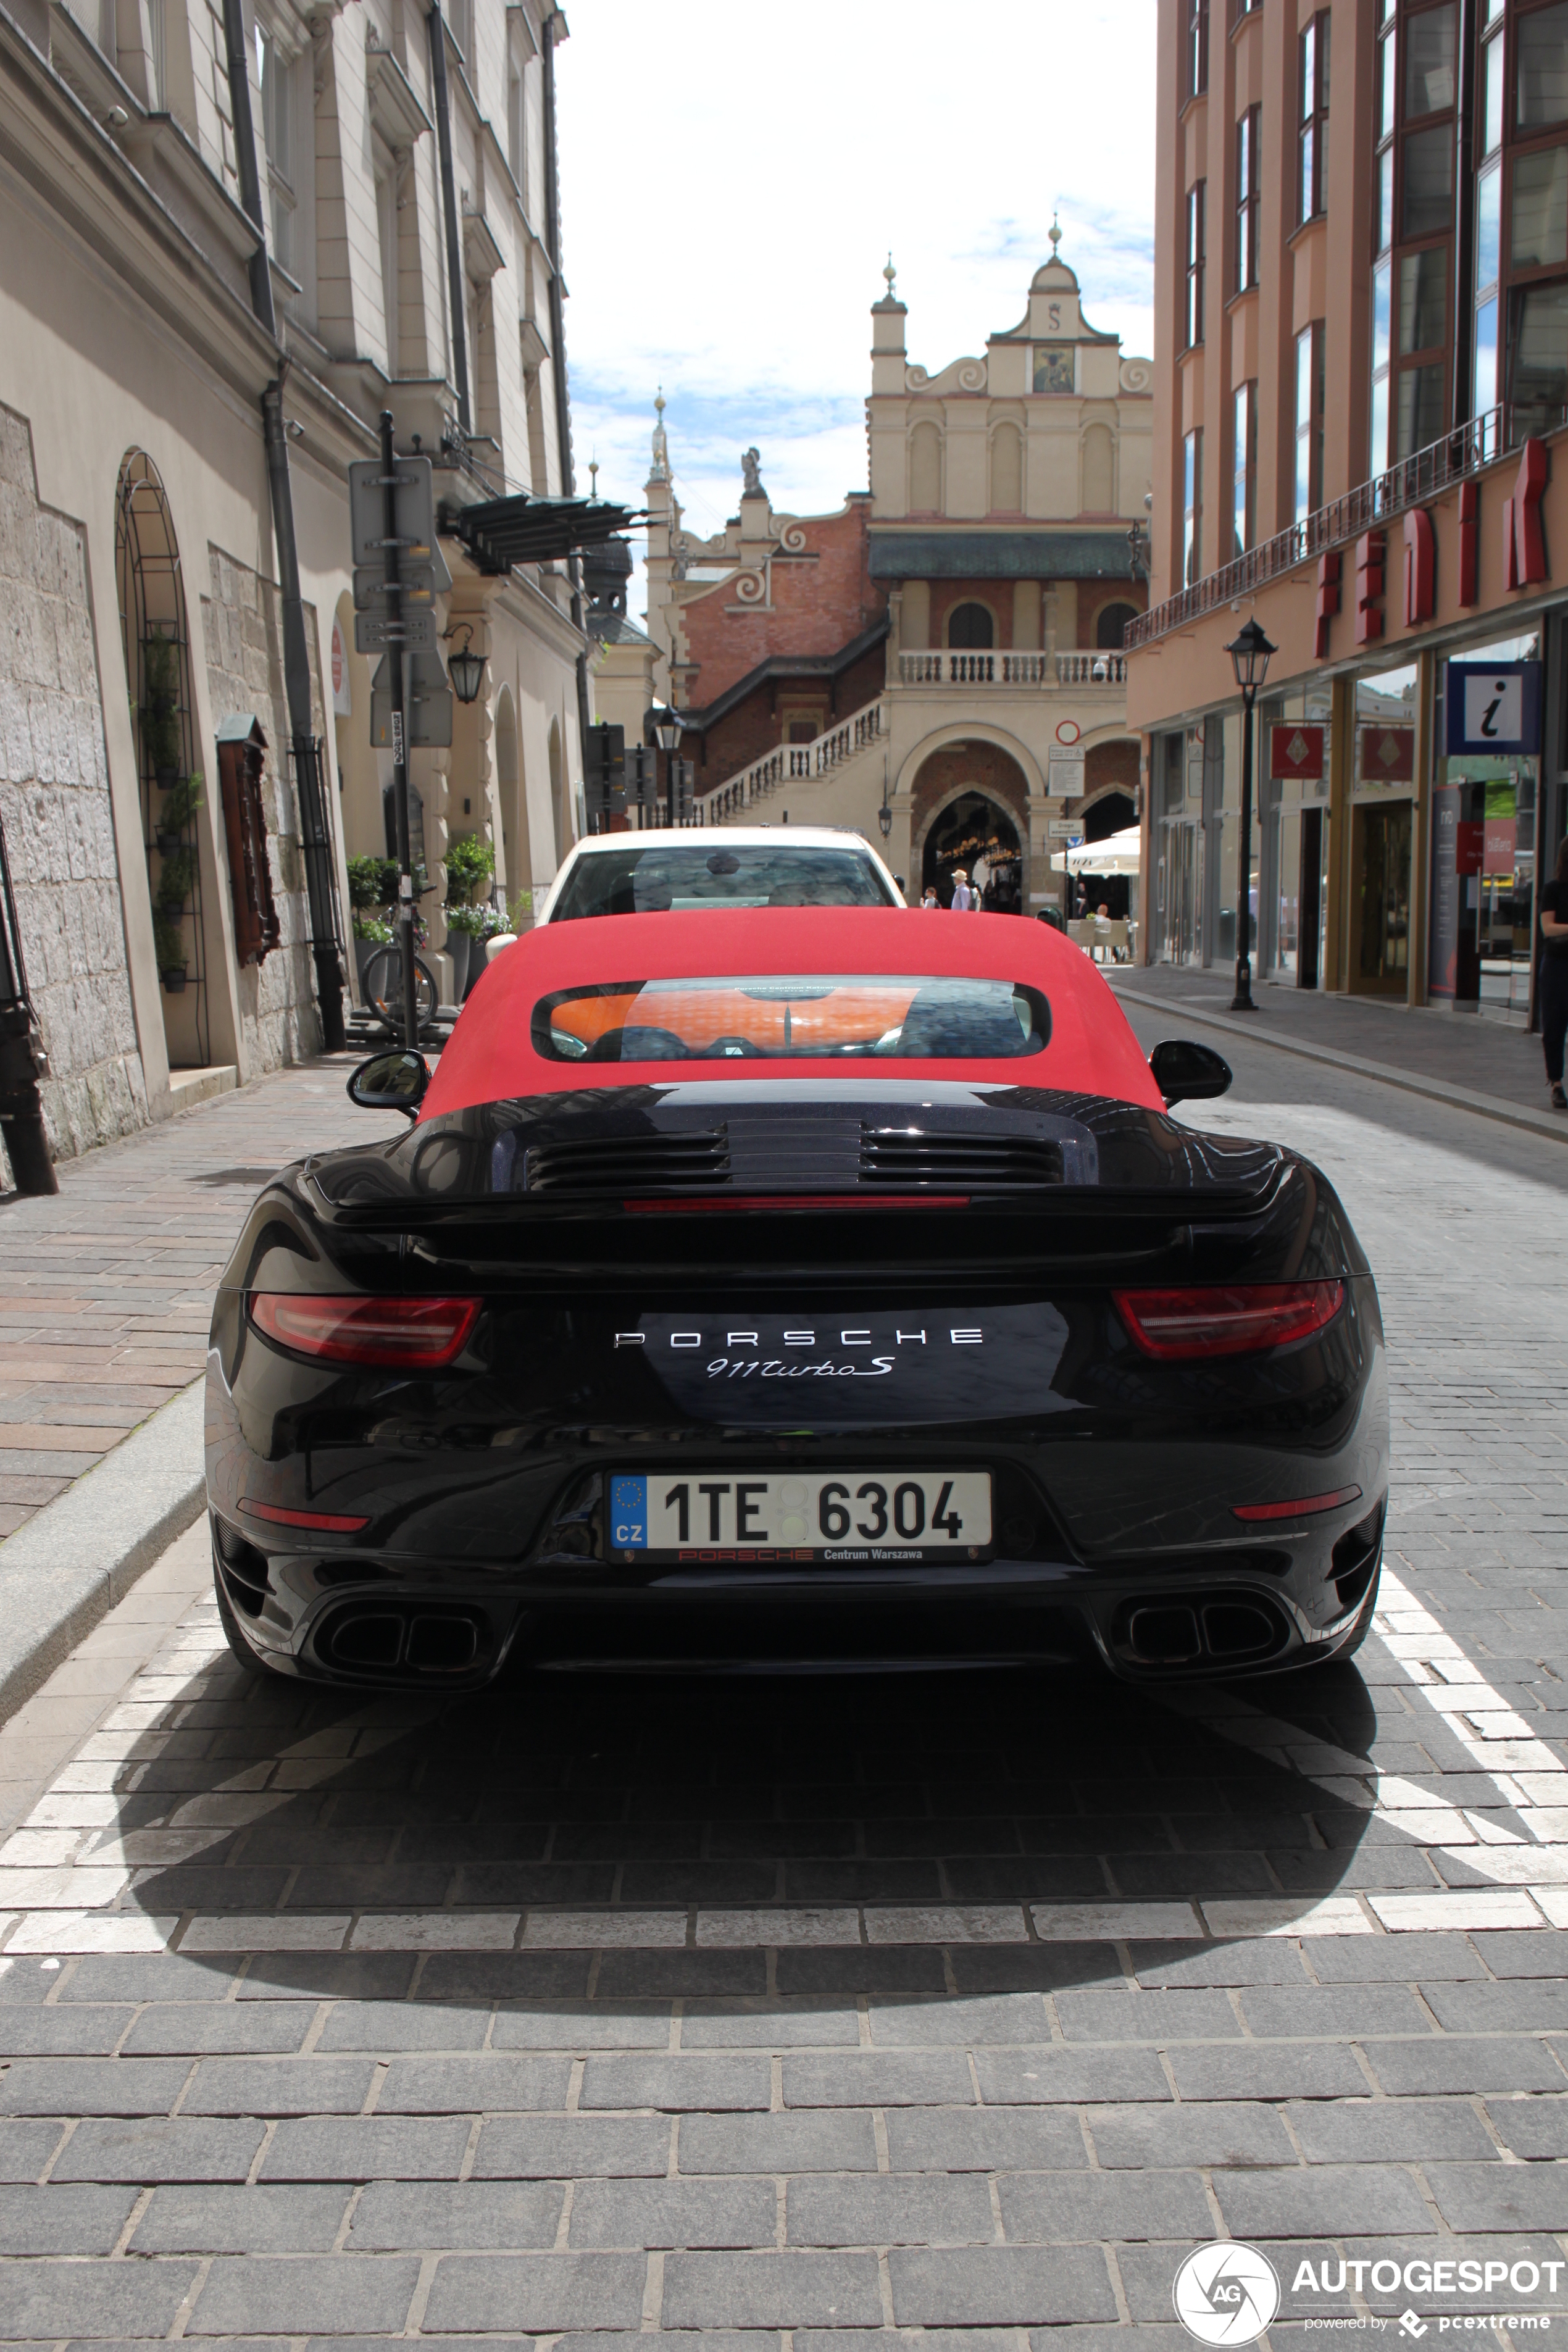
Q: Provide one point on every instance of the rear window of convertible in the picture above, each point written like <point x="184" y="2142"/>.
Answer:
<point x="801" y="1018"/>
<point x="669" y="878"/>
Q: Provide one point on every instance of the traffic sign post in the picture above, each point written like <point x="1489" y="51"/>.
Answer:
<point x="604" y="774"/>
<point x="399" y="572"/>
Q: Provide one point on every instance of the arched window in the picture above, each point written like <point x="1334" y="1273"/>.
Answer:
<point x="156" y="640"/>
<point x="970" y="627"/>
<point x="1099" y="471"/>
<point x="1110" y="622"/>
<point x="1007" y="470"/>
<point x="925" y="468"/>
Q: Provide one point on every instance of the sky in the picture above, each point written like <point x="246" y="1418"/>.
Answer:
<point x="736" y="172"/>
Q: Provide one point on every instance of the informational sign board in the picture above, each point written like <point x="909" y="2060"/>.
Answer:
<point x="375" y="632"/>
<point x="1061" y="828"/>
<point x="1064" y="779"/>
<point x="1499" y="846"/>
<point x="1493" y="707"/>
<point x="427" y="703"/>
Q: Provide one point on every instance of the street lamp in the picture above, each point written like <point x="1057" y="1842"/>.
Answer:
<point x="1249" y="652"/>
<point x="665" y="725"/>
<point x="465" y="669"/>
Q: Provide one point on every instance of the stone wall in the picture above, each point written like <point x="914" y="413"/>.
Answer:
<point x="243" y="629"/>
<point x="55" y="805"/>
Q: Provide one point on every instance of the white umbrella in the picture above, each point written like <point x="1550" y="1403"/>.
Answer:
<point x="1119" y="853"/>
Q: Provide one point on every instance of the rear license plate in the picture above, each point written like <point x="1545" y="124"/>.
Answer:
<point x="790" y="1515"/>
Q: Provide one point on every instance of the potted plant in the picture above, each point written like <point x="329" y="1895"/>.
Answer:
<point x="161" y="739"/>
<point x="168" y="910"/>
<point x="468" y="927"/>
<point x="180" y="804"/>
<point x="169" y="946"/>
<point x="373" y="886"/>
<point x="470" y="861"/>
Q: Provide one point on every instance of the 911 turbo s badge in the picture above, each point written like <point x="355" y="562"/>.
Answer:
<point x="924" y="1366"/>
<point x="736" y="1356"/>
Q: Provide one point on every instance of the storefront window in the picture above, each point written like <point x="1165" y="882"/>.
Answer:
<point x="1293" y="734"/>
<point x="1484" y="861"/>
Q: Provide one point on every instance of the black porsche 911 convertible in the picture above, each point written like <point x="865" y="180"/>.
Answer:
<point x="827" y="1288"/>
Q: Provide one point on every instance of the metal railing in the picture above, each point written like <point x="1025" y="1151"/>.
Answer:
<point x="829" y="750"/>
<point x="950" y="668"/>
<point x="1424" y="475"/>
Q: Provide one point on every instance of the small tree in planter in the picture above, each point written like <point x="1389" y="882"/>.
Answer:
<point x="168" y="908"/>
<point x="180" y="805"/>
<point x="169" y="947"/>
<point x="161" y="739"/>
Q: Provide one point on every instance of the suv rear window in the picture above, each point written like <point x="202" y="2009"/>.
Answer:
<point x="794" y="1017"/>
<point x="670" y="877"/>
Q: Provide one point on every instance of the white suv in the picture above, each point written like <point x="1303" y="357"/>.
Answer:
<point x="718" y="866"/>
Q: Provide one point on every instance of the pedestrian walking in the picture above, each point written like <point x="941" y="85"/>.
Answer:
<point x="1554" y="974"/>
<point x="963" y="901"/>
<point x="930" y="898"/>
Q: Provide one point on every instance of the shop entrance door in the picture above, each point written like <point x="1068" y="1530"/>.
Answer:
<point x="1314" y="899"/>
<point x="1184" y="893"/>
<point x="1383" y="839"/>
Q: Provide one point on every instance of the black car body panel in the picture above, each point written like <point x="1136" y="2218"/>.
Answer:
<point x="707" y="1276"/>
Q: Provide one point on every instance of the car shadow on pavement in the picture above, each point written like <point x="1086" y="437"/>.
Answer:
<point x="612" y="1839"/>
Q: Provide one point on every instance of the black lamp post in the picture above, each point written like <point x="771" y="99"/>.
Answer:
<point x="1250" y="653"/>
<point x="667" y="724"/>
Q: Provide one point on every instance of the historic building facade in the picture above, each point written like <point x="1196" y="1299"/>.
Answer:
<point x="1361" y="395"/>
<point x="138" y="557"/>
<point x="947" y="645"/>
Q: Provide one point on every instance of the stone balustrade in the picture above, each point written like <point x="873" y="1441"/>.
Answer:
<point x="993" y="668"/>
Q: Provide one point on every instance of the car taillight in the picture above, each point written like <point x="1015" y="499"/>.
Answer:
<point x="1227" y="1319"/>
<point x="398" y="1334"/>
<point x="1302" y="1509"/>
<point x="332" y="1523"/>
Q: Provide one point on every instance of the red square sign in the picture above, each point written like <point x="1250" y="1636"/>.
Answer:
<point x="1387" y="754"/>
<point x="1295" y="751"/>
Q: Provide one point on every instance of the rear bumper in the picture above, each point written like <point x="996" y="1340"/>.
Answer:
<point x="353" y="1620"/>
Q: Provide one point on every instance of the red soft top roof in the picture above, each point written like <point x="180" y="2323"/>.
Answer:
<point x="490" y="1055"/>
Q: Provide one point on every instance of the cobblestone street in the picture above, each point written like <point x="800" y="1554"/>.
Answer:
<point x="779" y="2007"/>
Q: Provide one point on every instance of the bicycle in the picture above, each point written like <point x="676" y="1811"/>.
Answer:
<point x="383" y="986"/>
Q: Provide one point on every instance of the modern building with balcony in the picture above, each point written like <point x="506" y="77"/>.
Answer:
<point x="947" y="647"/>
<point x="1362" y="386"/>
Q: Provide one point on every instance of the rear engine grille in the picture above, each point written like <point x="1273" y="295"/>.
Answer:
<point x="689" y="1162"/>
<point x="991" y="1163"/>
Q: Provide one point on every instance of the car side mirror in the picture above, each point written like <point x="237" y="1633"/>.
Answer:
<point x="1187" y="1073"/>
<point x="390" y="1082"/>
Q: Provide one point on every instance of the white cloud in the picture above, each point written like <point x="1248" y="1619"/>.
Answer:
<point x="734" y="174"/>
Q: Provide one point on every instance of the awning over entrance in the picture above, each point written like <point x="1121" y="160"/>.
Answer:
<point x="499" y="533"/>
<point x="1119" y="853"/>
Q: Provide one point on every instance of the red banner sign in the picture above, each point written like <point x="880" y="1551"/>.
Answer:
<point x="1295" y="752"/>
<point x="1387" y="755"/>
<point x="1469" y="846"/>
